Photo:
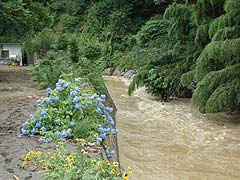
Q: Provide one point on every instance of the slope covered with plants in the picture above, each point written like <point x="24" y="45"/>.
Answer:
<point x="183" y="48"/>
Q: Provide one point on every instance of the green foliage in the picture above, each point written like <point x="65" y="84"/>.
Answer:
<point x="40" y="43"/>
<point x="154" y="28"/>
<point x="48" y="70"/>
<point x="187" y="78"/>
<point x="218" y="90"/>
<point x="64" y="165"/>
<point x="216" y="56"/>
<point x="68" y="23"/>
<point x="171" y="44"/>
<point x="181" y="16"/>
<point x="19" y="18"/>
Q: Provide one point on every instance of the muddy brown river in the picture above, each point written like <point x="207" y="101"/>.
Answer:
<point x="172" y="141"/>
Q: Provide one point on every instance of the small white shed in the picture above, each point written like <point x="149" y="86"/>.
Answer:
<point x="11" y="51"/>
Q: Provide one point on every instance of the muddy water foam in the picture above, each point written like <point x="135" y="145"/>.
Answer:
<point x="172" y="141"/>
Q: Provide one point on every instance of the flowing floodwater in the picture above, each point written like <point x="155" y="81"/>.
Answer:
<point x="168" y="141"/>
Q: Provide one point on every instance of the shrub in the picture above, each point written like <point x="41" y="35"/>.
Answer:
<point x="70" y="110"/>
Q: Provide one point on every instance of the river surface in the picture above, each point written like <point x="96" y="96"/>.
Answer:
<point x="172" y="141"/>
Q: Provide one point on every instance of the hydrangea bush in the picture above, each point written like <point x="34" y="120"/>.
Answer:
<point x="71" y="110"/>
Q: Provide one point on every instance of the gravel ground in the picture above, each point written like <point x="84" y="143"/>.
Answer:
<point x="18" y="94"/>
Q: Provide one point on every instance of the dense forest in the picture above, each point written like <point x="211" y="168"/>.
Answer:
<point x="182" y="48"/>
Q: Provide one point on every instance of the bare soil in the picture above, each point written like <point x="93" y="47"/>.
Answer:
<point x="18" y="94"/>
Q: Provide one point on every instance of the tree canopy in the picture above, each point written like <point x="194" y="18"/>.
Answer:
<point x="183" y="48"/>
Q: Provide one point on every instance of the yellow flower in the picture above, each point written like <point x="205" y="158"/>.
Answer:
<point x="78" y="141"/>
<point x="70" y="158"/>
<point x="65" y="167"/>
<point x="84" y="152"/>
<point x="54" y="157"/>
<point x="115" y="164"/>
<point x="129" y="169"/>
<point x="114" y="171"/>
<point x="101" y="167"/>
<point x="125" y="176"/>
<point x="93" y="161"/>
<point x="60" y="143"/>
<point x="32" y="155"/>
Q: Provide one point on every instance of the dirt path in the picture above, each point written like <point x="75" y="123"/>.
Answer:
<point x="18" y="94"/>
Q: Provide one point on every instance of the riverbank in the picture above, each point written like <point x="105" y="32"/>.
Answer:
<point x="173" y="140"/>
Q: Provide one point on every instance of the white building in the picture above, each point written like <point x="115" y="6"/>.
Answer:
<point x="10" y="51"/>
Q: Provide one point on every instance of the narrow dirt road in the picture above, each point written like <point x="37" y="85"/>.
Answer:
<point x="18" y="94"/>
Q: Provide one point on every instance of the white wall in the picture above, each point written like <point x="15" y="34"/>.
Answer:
<point x="14" y="49"/>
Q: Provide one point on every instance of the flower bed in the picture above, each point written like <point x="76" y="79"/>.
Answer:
<point x="70" y="111"/>
<point x="62" y="165"/>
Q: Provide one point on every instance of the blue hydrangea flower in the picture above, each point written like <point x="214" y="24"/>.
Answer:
<point x="31" y="116"/>
<point x="24" y="125"/>
<point x="73" y="93"/>
<point x="110" y="154"/>
<point x="42" y="139"/>
<point x="98" y="99"/>
<point x="61" y="82"/>
<point x="38" y="124"/>
<point x="69" y="131"/>
<point x="72" y="123"/>
<point x="43" y="129"/>
<point x="89" y="102"/>
<point x="64" y="134"/>
<point x="84" y="94"/>
<point x="33" y="130"/>
<point x="20" y="135"/>
<point x="103" y="96"/>
<point x="48" y="91"/>
<point x="47" y="100"/>
<point x="84" y="84"/>
<point x="83" y="107"/>
<point x="77" y="106"/>
<point x="93" y="96"/>
<point x="71" y="107"/>
<point x="77" y="89"/>
<point x="24" y="131"/>
<point x="99" y="139"/>
<point x="38" y="102"/>
<point x="101" y="105"/>
<point x="76" y="99"/>
<point x="59" y="89"/>
<point x="99" y="111"/>
<point x="67" y="84"/>
<point x="49" y="139"/>
<point x="56" y="98"/>
<point x="109" y="109"/>
<point x="44" y="112"/>
<point x="58" y="121"/>
<point x="57" y="134"/>
<point x="103" y="136"/>
<point x="113" y="131"/>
